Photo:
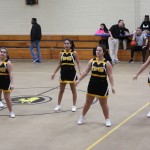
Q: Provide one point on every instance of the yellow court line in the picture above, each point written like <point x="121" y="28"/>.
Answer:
<point x="118" y="126"/>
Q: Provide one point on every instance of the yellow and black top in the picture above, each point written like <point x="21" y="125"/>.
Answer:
<point x="67" y="58"/>
<point x="98" y="85"/>
<point x="3" y="68"/>
<point x="98" y="68"/>
<point x="68" y="72"/>
<point x="4" y="77"/>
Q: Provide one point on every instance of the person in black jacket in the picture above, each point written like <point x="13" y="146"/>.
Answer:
<point x="145" y="26"/>
<point x="113" y="40"/>
<point x="124" y="39"/>
<point x="35" y="36"/>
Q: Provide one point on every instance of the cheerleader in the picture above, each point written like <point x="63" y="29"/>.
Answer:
<point x="68" y="73"/>
<point x="6" y="79"/>
<point x="98" y="86"/>
<point x="144" y="66"/>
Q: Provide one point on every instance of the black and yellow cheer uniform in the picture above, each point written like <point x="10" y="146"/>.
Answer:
<point x="98" y="85"/>
<point x="68" y="72"/>
<point x="4" y="77"/>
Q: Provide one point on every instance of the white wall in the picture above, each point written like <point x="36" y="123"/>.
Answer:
<point x="74" y="17"/>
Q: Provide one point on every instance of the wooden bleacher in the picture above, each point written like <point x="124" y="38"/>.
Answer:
<point x="51" y="45"/>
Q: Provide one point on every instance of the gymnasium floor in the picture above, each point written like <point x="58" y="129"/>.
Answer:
<point x="38" y="127"/>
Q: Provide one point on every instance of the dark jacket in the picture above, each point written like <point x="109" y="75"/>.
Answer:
<point x="145" y="25"/>
<point x="115" y="31"/>
<point x="35" y="33"/>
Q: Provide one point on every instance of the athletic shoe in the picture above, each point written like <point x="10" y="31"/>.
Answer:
<point x="12" y="115"/>
<point x="81" y="120"/>
<point x="57" y="108"/>
<point x="131" y="61"/>
<point x="148" y="115"/>
<point x="35" y="60"/>
<point x="39" y="61"/>
<point x="107" y="123"/>
<point x="1" y="104"/>
<point x="74" y="108"/>
<point x="116" y="61"/>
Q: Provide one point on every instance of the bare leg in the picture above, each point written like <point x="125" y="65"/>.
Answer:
<point x="8" y="101"/>
<point x="89" y="101"/>
<point x="105" y="108"/>
<point x="74" y="93"/>
<point x="61" y="92"/>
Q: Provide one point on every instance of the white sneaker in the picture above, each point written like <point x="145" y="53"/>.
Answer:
<point x="12" y="115"/>
<point x="1" y="104"/>
<point x="117" y="61"/>
<point x="81" y="120"/>
<point x="57" y="108"/>
<point x="35" y="60"/>
<point x="74" y="108"/>
<point x="107" y="123"/>
<point x="148" y="115"/>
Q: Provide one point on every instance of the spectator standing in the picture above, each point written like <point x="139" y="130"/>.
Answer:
<point x="35" y="36"/>
<point x="141" y="44"/>
<point x="113" y="40"/>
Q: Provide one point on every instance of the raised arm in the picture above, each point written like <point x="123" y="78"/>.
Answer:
<point x="144" y="66"/>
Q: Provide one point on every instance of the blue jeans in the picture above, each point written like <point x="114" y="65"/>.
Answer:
<point x="37" y="45"/>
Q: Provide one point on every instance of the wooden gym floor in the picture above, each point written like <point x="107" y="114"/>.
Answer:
<point x="38" y="127"/>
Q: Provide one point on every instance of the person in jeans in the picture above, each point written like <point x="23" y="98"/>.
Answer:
<point x="141" y="44"/>
<point x="113" y="40"/>
<point x="35" y="36"/>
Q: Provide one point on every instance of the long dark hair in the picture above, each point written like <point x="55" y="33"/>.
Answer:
<point x="105" y="28"/>
<point x="7" y="56"/>
<point x="102" y="46"/>
<point x="106" y="53"/>
<point x="72" y="43"/>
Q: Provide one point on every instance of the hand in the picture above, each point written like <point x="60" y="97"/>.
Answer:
<point x="52" y="77"/>
<point x="113" y="90"/>
<point x="76" y="82"/>
<point x="112" y="38"/>
<point x="135" y="77"/>
<point x="11" y="87"/>
<point x="143" y="47"/>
